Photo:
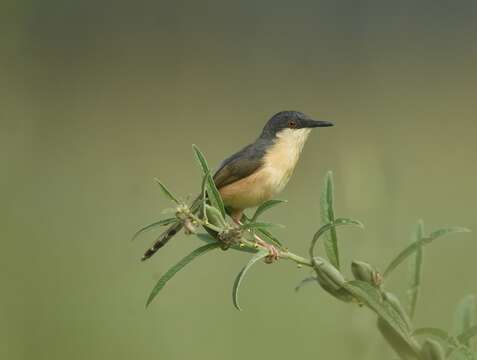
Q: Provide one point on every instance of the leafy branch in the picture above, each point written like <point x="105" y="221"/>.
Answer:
<point x="367" y="288"/>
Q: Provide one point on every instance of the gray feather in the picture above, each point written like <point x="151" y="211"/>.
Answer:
<point x="242" y="164"/>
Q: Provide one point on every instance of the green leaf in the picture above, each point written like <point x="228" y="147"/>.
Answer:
<point x="214" y="195"/>
<point x="323" y="230"/>
<point x="177" y="267"/>
<point x="238" y="280"/>
<point x="203" y="196"/>
<point x="154" y="225"/>
<point x="371" y="297"/>
<point x="265" y="233"/>
<point x="419" y="244"/>
<point x="464" y="338"/>
<point x="462" y="353"/>
<point x="268" y="236"/>
<point x="454" y="344"/>
<point x="265" y="206"/>
<point x="393" y="300"/>
<point x="432" y="331"/>
<point x="210" y="239"/>
<point x="464" y="317"/>
<point x="446" y="231"/>
<point x="306" y="281"/>
<point x="328" y="216"/>
<point x="432" y="350"/>
<point x="206" y="237"/>
<point x="396" y="341"/>
<point x="416" y="270"/>
<point x="259" y="225"/>
<point x="166" y="191"/>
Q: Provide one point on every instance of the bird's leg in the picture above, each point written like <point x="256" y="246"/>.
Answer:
<point x="236" y="216"/>
<point x="274" y="252"/>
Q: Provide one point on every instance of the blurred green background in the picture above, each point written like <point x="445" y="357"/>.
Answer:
<point x="97" y="98"/>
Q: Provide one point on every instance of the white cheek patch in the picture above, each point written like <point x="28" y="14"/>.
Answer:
<point x="283" y="156"/>
<point x="295" y="138"/>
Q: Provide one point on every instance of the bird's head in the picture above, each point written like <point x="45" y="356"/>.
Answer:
<point x="291" y="124"/>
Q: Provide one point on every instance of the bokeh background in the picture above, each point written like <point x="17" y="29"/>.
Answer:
<point x="97" y="98"/>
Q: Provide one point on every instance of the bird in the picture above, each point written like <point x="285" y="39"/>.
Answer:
<point x="257" y="172"/>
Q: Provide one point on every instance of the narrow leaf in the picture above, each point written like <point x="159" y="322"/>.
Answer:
<point x="327" y="227"/>
<point x="306" y="281"/>
<point x="265" y="206"/>
<point x="328" y="216"/>
<point x="396" y="341"/>
<point x="154" y="225"/>
<point x="206" y="237"/>
<point x="166" y="191"/>
<point x="370" y="296"/>
<point x="464" y="317"/>
<point x="462" y="353"/>
<point x="432" y="331"/>
<point x="266" y="235"/>
<point x="451" y="342"/>
<point x="203" y="195"/>
<point x="177" y="267"/>
<point x="465" y="337"/>
<point x="238" y="280"/>
<point x="416" y="270"/>
<point x="409" y="250"/>
<point x="214" y="195"/>
<point x="393" y="300"/>
<point x="259" y="225"/>
<point x="210" y="239"/>
<point x="446" y="231"/>
<point x="432" y="350"/>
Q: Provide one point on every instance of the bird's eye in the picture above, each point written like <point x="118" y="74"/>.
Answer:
<point x="292" y="124"/>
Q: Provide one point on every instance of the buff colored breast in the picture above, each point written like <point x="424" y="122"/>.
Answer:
<point x="271" y="178"/>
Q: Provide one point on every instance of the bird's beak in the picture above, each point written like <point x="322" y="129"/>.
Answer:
<point x="317" y="123"/>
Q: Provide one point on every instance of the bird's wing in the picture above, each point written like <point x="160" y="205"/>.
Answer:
<point x="239" y="166"/>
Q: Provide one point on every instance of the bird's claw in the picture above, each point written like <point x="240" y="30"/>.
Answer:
<point x="273" y="252"/>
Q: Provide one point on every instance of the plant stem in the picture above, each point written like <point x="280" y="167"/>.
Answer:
<point x="296" y="258"/>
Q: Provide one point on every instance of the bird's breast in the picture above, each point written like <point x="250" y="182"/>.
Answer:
<point x="282" y="157"/>
<point x="270" y="179"/>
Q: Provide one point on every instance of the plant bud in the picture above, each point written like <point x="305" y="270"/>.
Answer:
<point x="332" y="281"/>
<point x="329" y="274"/>
<point x="182" y="212"/>
<point x="396" y="305"/>
<point x="432" y="350"/>
<point x="214" y="216"/>
<point x="364" y="272"/>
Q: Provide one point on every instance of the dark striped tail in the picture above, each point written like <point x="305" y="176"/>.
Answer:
<point x="170" y="232"/>
<point x="162" y="240"/>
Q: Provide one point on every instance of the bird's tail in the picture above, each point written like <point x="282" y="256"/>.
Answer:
<point x="163" y="239"/>
<point x="169" y="233"/>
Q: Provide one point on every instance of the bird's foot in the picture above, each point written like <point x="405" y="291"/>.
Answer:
<point x="274" y="253"/>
